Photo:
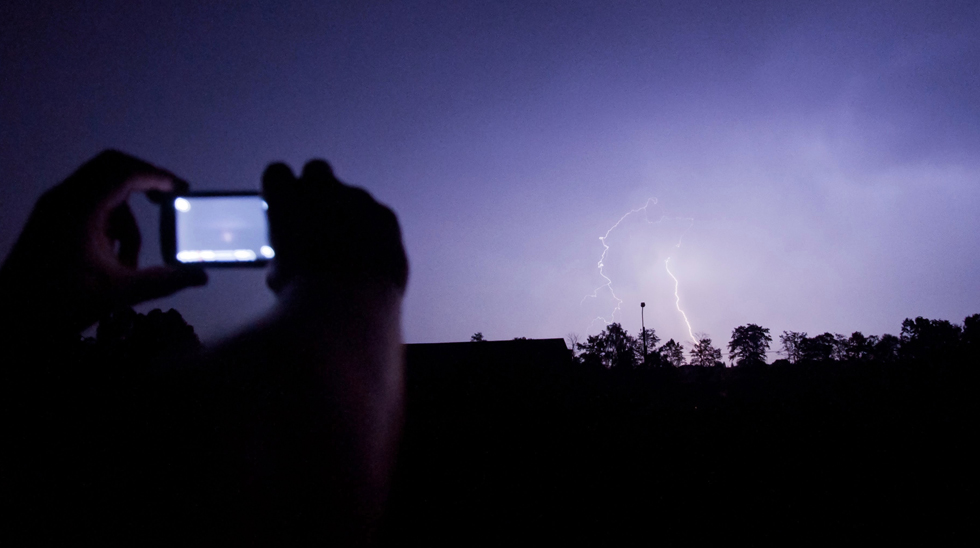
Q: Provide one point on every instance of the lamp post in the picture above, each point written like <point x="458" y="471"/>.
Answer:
<point x="643" y="329"/>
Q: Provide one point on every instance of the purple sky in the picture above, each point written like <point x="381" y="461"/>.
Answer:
<point x="828" y="156"/>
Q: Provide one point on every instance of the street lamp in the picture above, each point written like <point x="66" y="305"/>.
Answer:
<point x="643" y="329"/>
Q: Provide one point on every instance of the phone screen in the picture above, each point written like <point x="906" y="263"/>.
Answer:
<point x="216" y="229"/>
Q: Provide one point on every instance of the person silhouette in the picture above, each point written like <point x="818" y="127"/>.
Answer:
<point x="285" y="431"/>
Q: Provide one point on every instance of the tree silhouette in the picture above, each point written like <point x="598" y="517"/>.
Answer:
<point x="477" y="337"/>
<point x="673" y="353"/>
<point x="613" y="348"/>
<point x="124" y="333"/>
<point x="819" y="348"/>
<point x="929" y="339"/>
<point x="573" y="340"/>
<point x="703" y="354"/>
<point x="886" y="349"/>
<point x="841" y="346"/>
<point x="651" y="338"/>
<point x="749" y="344"/>
<point x="792" y="343"/>
<point x="859" y="347"/>
<point x="971" y="335"/>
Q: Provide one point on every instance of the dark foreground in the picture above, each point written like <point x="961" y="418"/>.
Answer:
<point x="501" y="449"/>
<point x="513" y="442"/>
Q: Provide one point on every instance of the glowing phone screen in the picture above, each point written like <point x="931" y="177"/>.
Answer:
<point x="225" y="229"/>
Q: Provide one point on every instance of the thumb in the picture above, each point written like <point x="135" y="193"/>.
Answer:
<point x="160" y="281"/>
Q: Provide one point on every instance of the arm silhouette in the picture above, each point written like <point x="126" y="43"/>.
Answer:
<point x="287" y="430"/>
<point x="326" y="364"/>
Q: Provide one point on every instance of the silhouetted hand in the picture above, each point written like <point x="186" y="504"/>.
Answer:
<point x="77" y="256"/>
<point x="326" y="364"/>
<point x="329" y="236"/>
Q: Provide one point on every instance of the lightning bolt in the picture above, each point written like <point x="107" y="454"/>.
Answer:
<point x="608" y="280"/>
<point x="602" y="258"/>
<point x="677" y="297"/>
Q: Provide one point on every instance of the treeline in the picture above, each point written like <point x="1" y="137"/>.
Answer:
<point x="921" y="339"/>
<point x="130" y="335"/>
<point x="843" y="438"/>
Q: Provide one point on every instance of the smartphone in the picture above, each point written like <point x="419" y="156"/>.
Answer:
<point x="215" y="229"/>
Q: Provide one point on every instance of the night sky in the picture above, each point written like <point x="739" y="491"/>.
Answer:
<point x="820" y="165"/>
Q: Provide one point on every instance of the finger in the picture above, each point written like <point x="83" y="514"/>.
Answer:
<point x="111" y="176"/>
<point x="137" y="183"/>
<point x="276" y="179"/>
<point x="278" y="182"/>
<point x="318" y="172"/>
<point x="180" y="186"/>
<point x="360" y="200"/>
<point x="122" y="227"/>
<point x="160" y="281"/>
